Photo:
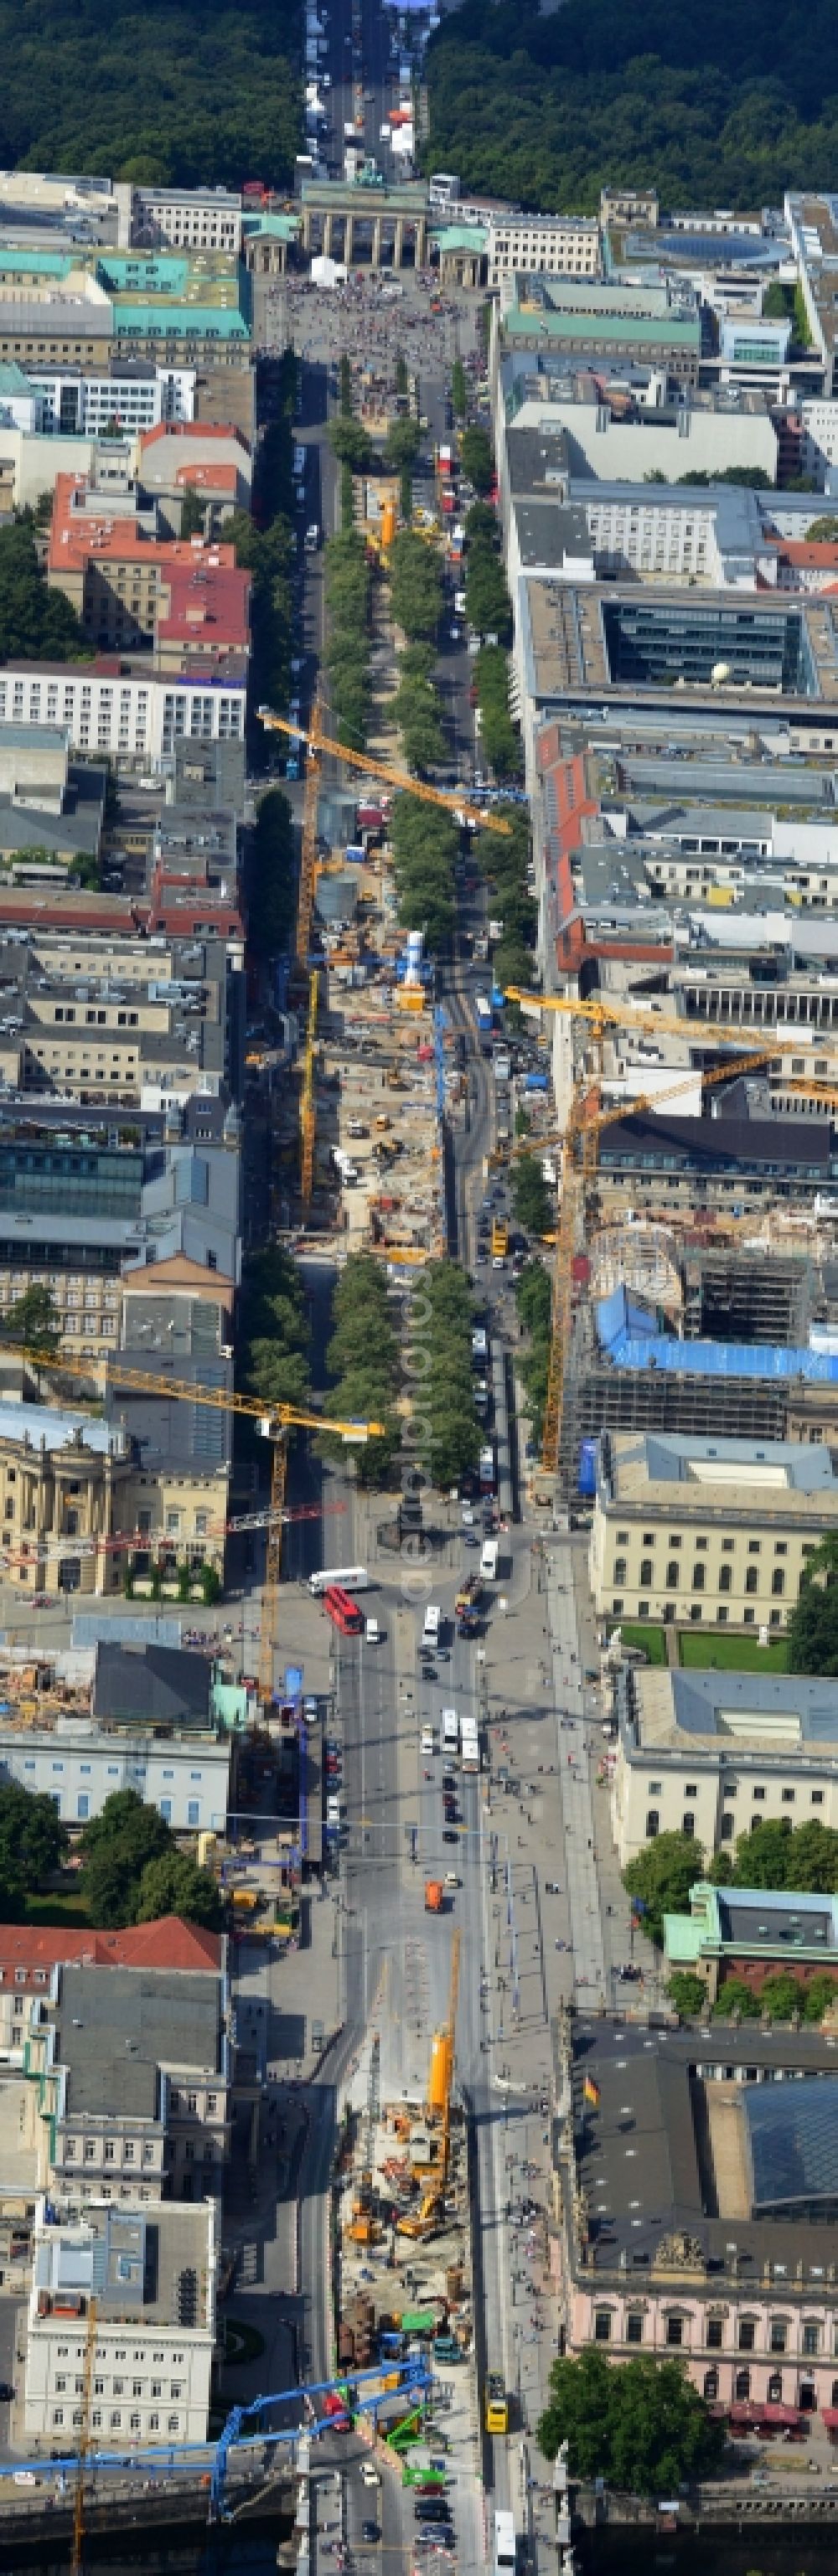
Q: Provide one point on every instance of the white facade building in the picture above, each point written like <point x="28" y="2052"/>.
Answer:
<point x="819" y="442"/>
<point x="187" y="219"/>
<point x="79" y="1765"/>
<point x="122" y="709"/>
<point x="137" y="396"/>
<point x="552" y="245"/>
<point x="153" y="2280"/>
<point x="710" y="1754"/>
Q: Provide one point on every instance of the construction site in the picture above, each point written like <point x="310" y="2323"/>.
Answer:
<point x="674" y="1308"/>
<point x="402" y="2263"/>
<point x="380" y="1067"/>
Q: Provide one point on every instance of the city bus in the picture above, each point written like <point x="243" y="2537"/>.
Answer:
<point x="496" y="2408"/>
<point x="343" y="1611"/>
<point x="353" y="1578"/>
<point x="506" y="2550"/>
<point x="450" y="1731"/>
<point x="470" y="1758"/>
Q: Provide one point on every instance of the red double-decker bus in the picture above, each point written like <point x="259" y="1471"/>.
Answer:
<point x="343" y="1611"/>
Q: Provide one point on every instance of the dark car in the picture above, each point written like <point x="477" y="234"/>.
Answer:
<point x="6" y="2392"/>
<point x="370" y="2531"/>
<point x="431" y="2509"/>
<point x="449" y="1837"/>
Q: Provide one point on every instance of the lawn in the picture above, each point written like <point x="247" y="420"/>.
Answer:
<point x="731" y="1654"/>
<point x="651" y="1641"/>
<point x="56" y="1909"/>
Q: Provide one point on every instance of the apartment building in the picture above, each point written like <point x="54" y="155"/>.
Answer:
<point x="710" y="1754"/>
<point x="153" y="2277"/>
<point x="170" y="1024"/>
<point x="131" y="587"/>
<point x="133" y="2074"/>
<point x="31" y="1956"/>
<point x="125" y="709"/>
<point x="739" y="2286"/>
<point x="202" y="457"/>
<point x="714" y="1530"/>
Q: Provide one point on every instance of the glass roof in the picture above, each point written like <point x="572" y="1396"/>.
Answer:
<point x="792" y="2129"/>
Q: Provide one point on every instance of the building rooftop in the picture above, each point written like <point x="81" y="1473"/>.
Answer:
<point x="47" y="1426"/>
<point x="150" y="2269"/>
<point x="168" y="1432"/>
<point x="660" y="2196"/>
<point x="116" y="2030"/>
<point x="155" y="1686"/>
<point x="789" y="1480"/>
<point x="730" y="1714"/>
<point x="753" y="1923"/>
<point x="170" y="1943"/>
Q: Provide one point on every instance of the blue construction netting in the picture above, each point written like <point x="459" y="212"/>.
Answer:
<point x="629" y="1336"/>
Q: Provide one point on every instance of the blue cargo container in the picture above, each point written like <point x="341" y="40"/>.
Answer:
<point x="587" y="1467"/>
<point x="535" y="1082"/>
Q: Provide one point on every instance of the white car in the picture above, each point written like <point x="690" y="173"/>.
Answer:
<point x="370" y="2474"/>
<point x="428" y="1745"/>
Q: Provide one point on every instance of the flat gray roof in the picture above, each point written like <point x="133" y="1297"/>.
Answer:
<point x="115" y="2028"/>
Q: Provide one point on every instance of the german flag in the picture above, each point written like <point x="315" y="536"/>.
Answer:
<point x="591" y="2091"/>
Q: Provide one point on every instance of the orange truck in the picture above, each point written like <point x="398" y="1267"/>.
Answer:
<point x="434" y="1896"/>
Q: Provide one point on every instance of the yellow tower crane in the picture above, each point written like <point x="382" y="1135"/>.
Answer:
<point x="454" y="801"/>
<point x="307" y="1106"/>
<point x="275" y="1420"/>
<point x="77" y="2554"/>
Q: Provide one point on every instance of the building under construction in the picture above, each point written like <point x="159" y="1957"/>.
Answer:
<point x="403" y="2213"/>
<point x="750" y="1351"/>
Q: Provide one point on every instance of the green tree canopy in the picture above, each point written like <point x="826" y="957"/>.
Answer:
<point x="33" y="1841"/>
<point x="642" y="2427"/>
<point x="688" y="1993"/>
<point x="736" y="1996"/>
<point x="459" y="395"/>
<point x="416" y="586"/>
<point x="126" y="1829"/>
<point x="661" y="1876"/>
<point x="351" y="443"/>
<point x="715" y="108"/>
<point x="32" y="1321"/>
<point x="404" y="439"/>
<point x="173" y="1884"/>
<point x="36" y="623"/>
<point x="477" y="459"/>
<point x="531" y="1197"/>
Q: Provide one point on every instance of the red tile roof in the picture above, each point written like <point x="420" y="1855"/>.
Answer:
<point x="170" y="1943"/>
<point x="195" y="429"/>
